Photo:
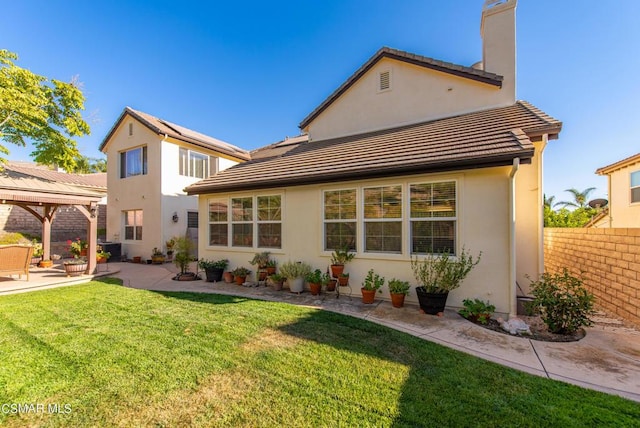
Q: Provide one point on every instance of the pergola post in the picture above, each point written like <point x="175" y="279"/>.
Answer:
<point x="91" y="212"/>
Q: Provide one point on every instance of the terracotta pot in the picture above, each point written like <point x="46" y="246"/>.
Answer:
<point x="228" y="277"/>
<point x="101" y="260"/>
<point x="83" y="252"/>
<point x="45" y="263"/>
<point x="368" y="296"/>
<point x="262" y="275"/>
<point x="271" y="270"/>
<point x="240" y="279"/>
<point x="277" y="286"/>
<point x="336" y="270"/>
<point x="331" y="286"/>
<point x="343" y="281"/>
<point x="397" y="300"/>
<point x="315" y="288"/>
<point x="137" y="259"/>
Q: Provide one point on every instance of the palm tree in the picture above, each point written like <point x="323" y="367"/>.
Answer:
<point x="548" y="202"/>
<point x="579" y="198"/>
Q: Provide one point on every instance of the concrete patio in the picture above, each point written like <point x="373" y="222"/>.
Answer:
<point x="607" y="359"/>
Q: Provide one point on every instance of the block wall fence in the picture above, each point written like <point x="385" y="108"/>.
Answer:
<point x="609" y="260"/>
<point x="68" y="223"/>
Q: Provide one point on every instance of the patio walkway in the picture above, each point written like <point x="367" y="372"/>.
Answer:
<point x="607" y="359"/>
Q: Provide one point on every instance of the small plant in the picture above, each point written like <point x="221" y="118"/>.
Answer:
<point x="170" y="244"/>
<point x="314" y="277"/>
<point x="373" y="281"/>
<point x="260" y="259"/>
<point x="209" y="264"/>
<point x="477" y="310"/>
<point x="101" y="254"/>
<point x="563" y="302"/>
<point x="277" y="278"/>
<point x="184" y="247"/>
<point x="398" y="287"/>
<point x="38" y="251"/>
<point x="271" y="263"/>
<point x="443" y="273"/>
<point x="156" y="252"/>
<point x="341" y="256"/>
<point x="292" y="270"/>
<point x="241" y="272"/>
<point x="76" y="247"/>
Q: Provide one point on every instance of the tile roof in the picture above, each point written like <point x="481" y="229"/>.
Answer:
<point x="617" y="165"/>
<point x="419" y="60"/>
<point x="279" y="148"/>
<point x="164" y="127"/>
<point x="474" y="140"/>
<point x="97" y="180"/>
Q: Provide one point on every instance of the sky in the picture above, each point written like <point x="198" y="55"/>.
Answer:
<point x="248" y="72"/>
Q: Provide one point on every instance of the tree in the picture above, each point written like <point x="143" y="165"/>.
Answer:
<point x="87" y="165"/>
<point x="46" y="111"/>
<point x="579" y="198"/>
<point x="548" y="202"/>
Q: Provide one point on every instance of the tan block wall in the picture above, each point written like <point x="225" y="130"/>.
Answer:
<point x="609" y="260"/>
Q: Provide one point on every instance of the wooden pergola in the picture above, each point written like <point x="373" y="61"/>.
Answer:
<point x="34" y="194"/>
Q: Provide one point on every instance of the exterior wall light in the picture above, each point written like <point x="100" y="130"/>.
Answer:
<point x="175" y="217"/>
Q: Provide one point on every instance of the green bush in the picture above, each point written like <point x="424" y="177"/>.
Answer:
<point x="16" y="238"/>
<point x="562" y="301"/>
<point x="477" y="310"/>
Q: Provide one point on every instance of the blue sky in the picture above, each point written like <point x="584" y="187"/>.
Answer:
<point x="249" y="72"/>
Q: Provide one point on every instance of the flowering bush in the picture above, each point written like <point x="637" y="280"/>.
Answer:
<point x="76" y="247"/>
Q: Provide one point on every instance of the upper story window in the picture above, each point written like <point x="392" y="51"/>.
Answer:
<point x="133" y="162"/>
<point x="635" y="186"/>
<point x="198" y="165"/>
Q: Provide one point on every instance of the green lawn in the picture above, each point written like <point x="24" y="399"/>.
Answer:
<point x="124" y="357"/>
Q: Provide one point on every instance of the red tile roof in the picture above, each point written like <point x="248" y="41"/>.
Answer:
<point x="481" y="139"/>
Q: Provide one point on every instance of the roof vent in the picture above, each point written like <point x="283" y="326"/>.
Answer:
<point x="385" y="80"/>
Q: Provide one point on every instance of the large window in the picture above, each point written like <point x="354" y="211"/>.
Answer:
<point x="340" y="219"/>
<point x="261" y="215"/>
<point x="218" y="222"/>
<point x="194" y="164"/>
<point x="133" y="225"/>
<point x="433" y="218"/>
<point x="133" y="162"/>
<point x="635" y="186"/>
<point x="383" y="219"/>
<point x="269" y="221"/>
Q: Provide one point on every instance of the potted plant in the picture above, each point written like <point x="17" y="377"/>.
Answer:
<point x="339" y="258"/>
<point x="271" y="267"/>
<point x="477" y="311"/>
<point x="315" y="280"/>
<point x="37" y="252"/>
<point x="438" y="275"/>
<point x="295" y="272"/>
<point x="240" y="274"/>
<point x="157" y="257"/>
<point x="75" y="267"/>
<point x="343" y="279"/>
<point x="276" y="281"/>
<point x="261" y="260"/>
<point x="227" y="277"/>
<point x="398" y="290"/>
<point x="77" y="248"/>
<point x="101" y="255"/>
<point x="184" y="247"/>
<point x="213" y="269"/>
<point x="370" y="286"/>
<point x="331" y="285"/>
<point x="170" y="244"/>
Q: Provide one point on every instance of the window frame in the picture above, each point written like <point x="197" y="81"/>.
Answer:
<point x="218" y="222"/>
<point x="123" y="164"/>
<point x="633" y="188"/>
<point x="411" y="219"/>
<point x="399" y="220"/>
<point x="354" y="220"/>
<point x="187" y="159"/>
<point x="137" y="229"/>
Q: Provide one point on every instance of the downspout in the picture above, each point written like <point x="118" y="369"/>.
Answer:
<point x="545" y="141"/>
<point x="513" y="291"/>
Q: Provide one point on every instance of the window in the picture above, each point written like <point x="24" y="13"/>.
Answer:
<point x="133" y="162"/>
<point x="433" y="218"/>
<point x="133" y="225"/>
<point x="383" y="219"/>
<point x="635" y="186"/>
<point x="340" y="219"/>
<point x="242" y="222"/>
<point x="192" y="219"/>
<point x="261" y="215"/>
<point x="218" y="222"/>
<point x="194" y="164"/>
<point x="270" y="221"/>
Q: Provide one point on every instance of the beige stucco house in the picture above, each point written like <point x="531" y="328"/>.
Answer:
<point x="410" y="156"/>
<point x="149" y="163"/>
<point x="624" y="194"/>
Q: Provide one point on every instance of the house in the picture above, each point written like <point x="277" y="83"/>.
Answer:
<point x="410" y="156"/>
<point x="624" y="194"/>
<point x="149" y="162"/>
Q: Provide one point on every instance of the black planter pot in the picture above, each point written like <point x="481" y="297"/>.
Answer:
<point x="214" y="275"/>
<point x="431" y="303"/>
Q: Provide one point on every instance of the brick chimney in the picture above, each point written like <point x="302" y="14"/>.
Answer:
<point x="498" y="31"/>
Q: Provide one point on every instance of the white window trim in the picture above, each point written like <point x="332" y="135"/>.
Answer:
<point x="631" y="202"/>
<point x="189" y="151"/>
<point x="324" y="221"/>
<point x="124" y="226"/>
<point x="401" y="219"/>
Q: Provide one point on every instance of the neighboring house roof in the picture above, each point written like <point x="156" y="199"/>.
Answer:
<point x="419" y="60"/>
<point x="631" y="160"/>
<point x="598" y="217"/>
<point x="22" y="187"/>
<point x="163" y="127"/>
<point x="97" y="180"/>
<point x="279" y="148"/>
<point x="485" y="138"/>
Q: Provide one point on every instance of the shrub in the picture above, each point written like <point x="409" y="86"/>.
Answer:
<point x="563" y="302"/>
<point x="373" y="281"/>
<point x="210" y="264"/>
<point x="398" y="287"/>
<point x="477" y="310"/>
<point x="292" y="270"/>
<point x="443" y="273"/>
